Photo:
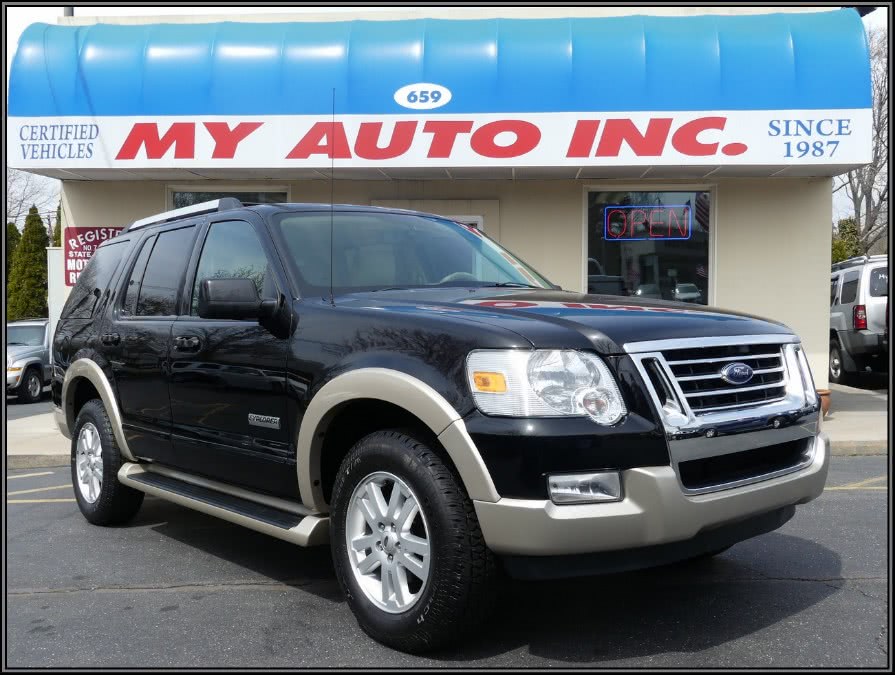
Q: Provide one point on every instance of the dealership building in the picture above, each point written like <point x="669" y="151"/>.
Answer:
<point x="682" y="153"/>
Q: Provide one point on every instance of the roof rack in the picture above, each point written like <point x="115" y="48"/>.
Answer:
<point x="223" y="204"/>
<point x="29" y="318"/>
<point x="857" y="260"/>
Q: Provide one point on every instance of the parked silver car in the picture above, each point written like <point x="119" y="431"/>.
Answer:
<point x="859" y="295"/>
<point x="27" y="358"/>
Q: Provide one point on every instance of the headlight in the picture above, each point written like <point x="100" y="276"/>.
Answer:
<point x="544" y="383"/>
<point x="807" y="379"/>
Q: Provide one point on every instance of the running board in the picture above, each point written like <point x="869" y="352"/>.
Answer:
<point x="302" y="529"/>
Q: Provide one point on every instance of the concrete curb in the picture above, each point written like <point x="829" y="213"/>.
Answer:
<point x="36" y="461"/>
<point x="854" y="448"/>
<point x="840" y="449"/>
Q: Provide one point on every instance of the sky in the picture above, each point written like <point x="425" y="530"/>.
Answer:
<point x="19" y="18"/>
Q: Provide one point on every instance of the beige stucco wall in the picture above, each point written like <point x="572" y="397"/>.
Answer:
<point x="770" y="237"/>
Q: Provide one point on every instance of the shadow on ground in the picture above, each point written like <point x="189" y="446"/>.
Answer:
<point x="686" y="607"/>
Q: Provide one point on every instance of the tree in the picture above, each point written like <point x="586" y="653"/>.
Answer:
<point x="27" y="290"/>
<point x="845" y="240"/>
<point x="12" y="240"/>
<point x="57" y="229"/>
<point x="867" y="188"/>
<point x="24" y="189"/>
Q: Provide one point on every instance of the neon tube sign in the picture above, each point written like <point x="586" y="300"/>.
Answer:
<point x="643" y="223"/>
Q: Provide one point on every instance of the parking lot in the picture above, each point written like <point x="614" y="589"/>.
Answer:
<point x="176" y="588"/>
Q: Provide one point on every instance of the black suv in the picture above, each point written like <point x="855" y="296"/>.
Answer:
<point x="399" y="386"/>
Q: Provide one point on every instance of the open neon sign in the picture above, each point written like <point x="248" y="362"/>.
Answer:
<point x="639" y="223"/>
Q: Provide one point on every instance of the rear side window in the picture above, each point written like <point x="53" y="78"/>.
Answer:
<point x="834" y="283"/>
<point x="157" y="274"/>
<point x="93" y="281"/>
<point x="879" y="282"/>
<point x="849" y="288"/>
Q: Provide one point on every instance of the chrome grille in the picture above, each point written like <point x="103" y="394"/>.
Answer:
<point x="698" y="374"/>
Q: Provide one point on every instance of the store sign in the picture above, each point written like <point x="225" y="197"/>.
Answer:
<point x="743" y="137"/>
<point x="638" y="223"/>
<point x="79" y="245"/>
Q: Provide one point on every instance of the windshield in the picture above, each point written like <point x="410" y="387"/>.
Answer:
<point x="32" y="336"/>
<point x="377" y="251"/>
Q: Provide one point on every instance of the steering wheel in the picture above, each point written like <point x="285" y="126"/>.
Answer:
<point x="458" y="276"/>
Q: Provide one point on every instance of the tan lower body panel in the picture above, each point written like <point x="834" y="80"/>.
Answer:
<point x="654" y="511"/>
<point x="313" y="530"/>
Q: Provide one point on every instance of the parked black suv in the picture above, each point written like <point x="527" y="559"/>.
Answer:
<point x="398" y="385"/>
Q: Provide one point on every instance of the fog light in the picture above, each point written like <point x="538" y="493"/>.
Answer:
<point x="581" y="488"/>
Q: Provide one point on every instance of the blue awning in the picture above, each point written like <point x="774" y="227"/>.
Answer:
<point x="781" y="61"/>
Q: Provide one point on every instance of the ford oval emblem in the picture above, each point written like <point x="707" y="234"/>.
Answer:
<point x="736" y="373"/>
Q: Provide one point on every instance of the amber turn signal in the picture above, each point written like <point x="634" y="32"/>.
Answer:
<point x="492" y="383"/>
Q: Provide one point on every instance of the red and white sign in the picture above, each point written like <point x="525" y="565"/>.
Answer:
<point x="775" y="138"/>
<point x="79" y="244"/>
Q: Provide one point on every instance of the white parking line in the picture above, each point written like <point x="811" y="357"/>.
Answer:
<point x="42" y="489"/>
<point x="30" y="475"/>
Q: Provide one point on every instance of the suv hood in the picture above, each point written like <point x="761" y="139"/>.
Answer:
<point x="607" y="322"/>
<point x="15" y="352"/>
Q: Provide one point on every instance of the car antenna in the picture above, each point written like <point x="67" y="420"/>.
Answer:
<point x="332" y="178"/>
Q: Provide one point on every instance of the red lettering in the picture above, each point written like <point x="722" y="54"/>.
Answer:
<point x="684" y="229"/>
<point x="685" y="140"/>
<point x="506" y="304"/>
<point x="655" y="218"/>
<point x="583" y="138"/>
<point x="324" y="138"/>
<point x="367" y="144"/>
<point x="226" y="139"/>
<point x="610" y="230"/>
<point x="635" y="224"/>
<point x="527" y="138"/>
<point x="182" y="135"/>
<point x="648" y="144"/>
<point x="574" y="305"/>
<point x="444" y="133"/>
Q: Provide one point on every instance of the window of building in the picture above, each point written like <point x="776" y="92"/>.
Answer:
<point x="232" y="250"/>
<point x="157" y="285"/>
<point x="181" y="198"/>
<point x="651" y="244"/>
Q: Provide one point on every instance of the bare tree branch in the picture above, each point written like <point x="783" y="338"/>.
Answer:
<point x="867" y="188"/>
<point x="24" y="190"/>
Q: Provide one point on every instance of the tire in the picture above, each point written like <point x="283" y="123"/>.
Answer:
<point x="838" y="374"/>
<point x="112" y="503"/>
<point x="31" y="388"/>
<point x="460" y="586"/>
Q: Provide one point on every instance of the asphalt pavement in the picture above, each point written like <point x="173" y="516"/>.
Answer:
<point x="176" y="588"/>
<point x="16" y="410"/>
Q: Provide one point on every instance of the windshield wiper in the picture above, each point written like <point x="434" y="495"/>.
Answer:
<point x="509" y="284"/>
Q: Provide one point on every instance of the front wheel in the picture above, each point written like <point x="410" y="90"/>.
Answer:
<point x="31" y="388"/>
<point x="408" y="551"/>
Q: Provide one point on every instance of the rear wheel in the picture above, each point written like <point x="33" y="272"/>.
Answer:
<point x="95" y="461"/>
<point x="838" y="374"/>
<point x="406" y="544"/>
<point x="31" y="387"/>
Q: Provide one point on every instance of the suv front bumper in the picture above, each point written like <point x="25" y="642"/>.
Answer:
<point x="654" y="511"/>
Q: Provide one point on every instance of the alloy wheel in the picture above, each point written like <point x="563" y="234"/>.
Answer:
<point x="388" y="542"/>
<point x="89" y="462"/>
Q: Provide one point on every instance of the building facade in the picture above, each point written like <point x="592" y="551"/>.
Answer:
<point x="684" y="154"/>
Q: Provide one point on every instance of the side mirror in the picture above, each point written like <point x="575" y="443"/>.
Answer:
<point x="229" y="299"/>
